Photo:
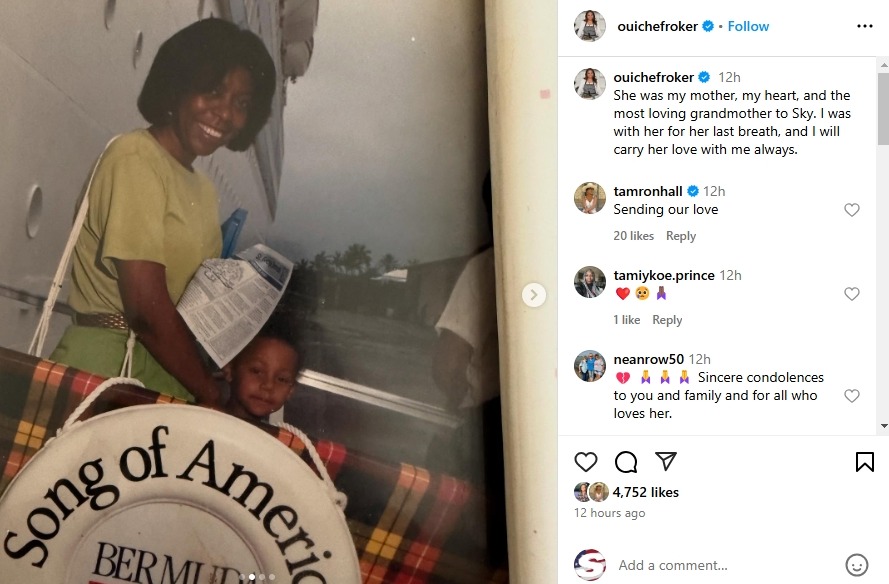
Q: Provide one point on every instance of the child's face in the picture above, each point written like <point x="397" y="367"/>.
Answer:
<point x="262" y="377"/>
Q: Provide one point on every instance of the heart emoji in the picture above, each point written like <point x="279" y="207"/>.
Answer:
<point x="623" y="376"/>
<point x="586" y="460"/>
<point x="623" y="293"/>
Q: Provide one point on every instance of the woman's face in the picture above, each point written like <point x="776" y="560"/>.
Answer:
<point x="204" y="122"/>
<point x="589" y="194"/>
<point x="588" y="277"/>
<point x="589" y="74"/>
<point x="589" y="17"/>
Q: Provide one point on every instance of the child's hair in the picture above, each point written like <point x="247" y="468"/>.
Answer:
<point x="258" y="371"/>
<point x="278" y="327"/>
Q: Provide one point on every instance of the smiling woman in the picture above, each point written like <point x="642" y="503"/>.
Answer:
<point x="153" y="218"/>
<point x="207" y="121"/>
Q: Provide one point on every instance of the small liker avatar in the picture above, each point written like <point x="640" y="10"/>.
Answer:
<point x="582" y="492"/>
<point x="599" y="492"/>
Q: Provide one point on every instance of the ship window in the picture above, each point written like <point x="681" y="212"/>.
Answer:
<point x="137" y="49"/>
<point x="110" y="5"/>
<point x="35" y="211"/>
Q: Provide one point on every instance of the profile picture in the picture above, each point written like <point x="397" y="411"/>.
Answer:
<point x="589" y="281"/>
<point x="598" y="492"/>
<point x="589" y="565"/>
<point x="582" y="492"/>
<point x="589" y="198"/>
<point x="589" y="83"/>
<point x="589" y="366"/>
<point x="589" y="26"/>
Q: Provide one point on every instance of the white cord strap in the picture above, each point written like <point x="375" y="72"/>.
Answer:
<point x="339" y="498"/>
<point x="39" y="338"/>
<point x="126" y="369"/>
<point x="74" y="418"/>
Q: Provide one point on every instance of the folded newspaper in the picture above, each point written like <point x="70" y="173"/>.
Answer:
<point x="229" y="300"/>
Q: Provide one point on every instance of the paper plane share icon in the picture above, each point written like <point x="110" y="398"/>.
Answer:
<point x="666" y="458"/>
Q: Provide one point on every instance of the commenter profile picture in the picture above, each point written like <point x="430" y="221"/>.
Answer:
<point x="589" y="281"/>
<point x="589" y="366"/>
<point x="589" y="83"/>
<point x="589" y="198"/>
<point x="589" y="565"/>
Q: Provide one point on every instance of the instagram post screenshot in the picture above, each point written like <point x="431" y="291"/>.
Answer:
<point x="255" y="241"/>
<point x="706" y="237"/>
<point x="471" y="292"/>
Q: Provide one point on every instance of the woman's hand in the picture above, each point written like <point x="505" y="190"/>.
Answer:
<point x="159" y="327"/>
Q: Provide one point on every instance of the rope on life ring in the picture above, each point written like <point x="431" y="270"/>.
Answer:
<point x="74" y="418"/>
<point x="339" y="498"/>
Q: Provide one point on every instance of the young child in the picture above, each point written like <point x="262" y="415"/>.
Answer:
<point x="263" y="375"/>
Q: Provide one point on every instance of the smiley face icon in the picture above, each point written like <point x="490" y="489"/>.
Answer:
<point x="642" y="293"/>
<point x="856" y="565"/>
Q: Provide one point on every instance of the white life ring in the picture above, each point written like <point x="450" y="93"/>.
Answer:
<point x="169" y="493"/>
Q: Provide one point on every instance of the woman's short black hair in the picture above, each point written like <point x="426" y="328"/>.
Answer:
<point x="196" y="59"/>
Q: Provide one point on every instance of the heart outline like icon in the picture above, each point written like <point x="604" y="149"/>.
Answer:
<point x="623" y="293"/>
<point x="852" y="209"/>
<point x="852" y="292"/>
<point x="582" y="459"/>
<point x="852" y="395"/>
<point x="623" y="376"/>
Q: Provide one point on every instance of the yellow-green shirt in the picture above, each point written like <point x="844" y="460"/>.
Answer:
<point x="143" y="205"/>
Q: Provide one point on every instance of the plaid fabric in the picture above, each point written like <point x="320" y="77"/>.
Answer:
<point x="409" y="526"/>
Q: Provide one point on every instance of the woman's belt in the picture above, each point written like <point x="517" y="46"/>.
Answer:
<point x="110" y="321"/>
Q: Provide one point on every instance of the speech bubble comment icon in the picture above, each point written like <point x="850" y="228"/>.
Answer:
<point x="626" y="462"/>
<point x="586" y="460"/>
